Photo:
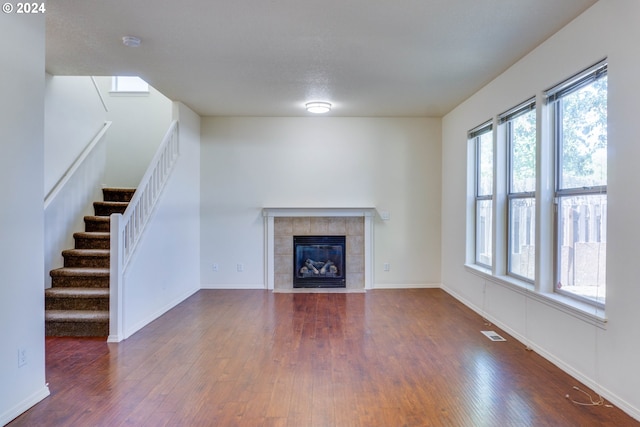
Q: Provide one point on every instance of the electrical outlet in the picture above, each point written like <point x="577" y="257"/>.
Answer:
<point x="22" y="357"/>
<point x="386" y="266"/>
<point x="215" y="267"/>
<point x="240" y="268"/>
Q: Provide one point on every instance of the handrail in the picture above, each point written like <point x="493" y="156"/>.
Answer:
<point x="127" y="228"/>
<point x="148" y="192"/>
<point x="51" y="195"/>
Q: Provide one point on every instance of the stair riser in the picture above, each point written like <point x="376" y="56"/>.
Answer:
<point x="61" y="303"/>
<point x="86" y="261"/>
<point x="79" y="282"/>
<point x="92" y="225"/>
<point x="92" y="243"/>
<point x="76" y="329"/>
<point x="106" y="210"/>
<point x="120" y="195"/>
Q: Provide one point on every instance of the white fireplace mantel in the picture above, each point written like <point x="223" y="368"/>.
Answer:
<point x="270" y="213"/>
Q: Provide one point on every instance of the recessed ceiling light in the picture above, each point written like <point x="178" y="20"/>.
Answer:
<point x="131" y="41"/>
<point x="318" y="107"/>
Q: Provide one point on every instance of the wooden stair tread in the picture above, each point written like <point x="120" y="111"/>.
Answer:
<point x="111" y="203"/>
<point x="93" y="234"/>
<point x="86" y="252"/>
<point x="80" y="271"/>
<point x="107" y="208"/>
<point x="76" y="315"/>
<point x="69" y="292"/>
<point x="99" y="218"/>
<point x="119" y="189"/>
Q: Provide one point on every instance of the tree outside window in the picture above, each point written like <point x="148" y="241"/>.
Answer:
<point x="581" y="189"/>
<point x="520" y="127"/>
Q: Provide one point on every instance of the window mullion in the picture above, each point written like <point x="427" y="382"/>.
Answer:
<point x="500" y="202"/>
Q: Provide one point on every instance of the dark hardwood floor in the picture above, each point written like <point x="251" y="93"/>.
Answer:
<point x="255" y="358"/>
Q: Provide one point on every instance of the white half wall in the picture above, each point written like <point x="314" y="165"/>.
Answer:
<point x="605" y="359"/>
<point x="249" y="163"/>
<point x="21" y="217"/>
<point x="165" y="265"/>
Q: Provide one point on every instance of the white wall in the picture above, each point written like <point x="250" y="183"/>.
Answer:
<point x="74" y="114"/>
<point x="604" y="358"/>
<point x="21" y="219"/>
<point x="65" y="209"/>
<point x="392" y="164"/>
<point x="165" y="265"/>
<point x="139" y="123"/>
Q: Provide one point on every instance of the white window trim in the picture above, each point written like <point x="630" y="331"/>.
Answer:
<point x="542" y="290"/>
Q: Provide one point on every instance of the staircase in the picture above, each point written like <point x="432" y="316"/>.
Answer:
<point x="77" y="304"/>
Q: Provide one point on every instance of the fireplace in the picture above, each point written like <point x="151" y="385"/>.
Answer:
<point x="282" y="224"/>
<point x="319" y="262"/>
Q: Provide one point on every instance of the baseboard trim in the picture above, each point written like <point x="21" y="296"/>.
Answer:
<point x="319" y="291"/>
<point x="407" y="286"/>
<point x="24" y="406"/>
<point x="261" y="286"/>
<point x="244" y="286"/>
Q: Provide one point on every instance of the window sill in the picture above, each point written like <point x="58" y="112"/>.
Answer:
<point x="580" y="310"/>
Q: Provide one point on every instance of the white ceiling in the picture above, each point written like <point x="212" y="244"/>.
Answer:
<point x="269" y="57"/>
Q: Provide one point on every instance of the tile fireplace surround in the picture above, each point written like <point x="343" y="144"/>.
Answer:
<point x="281" y="224"/>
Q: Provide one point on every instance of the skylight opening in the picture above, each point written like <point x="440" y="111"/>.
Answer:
<point x="130" y="84"/>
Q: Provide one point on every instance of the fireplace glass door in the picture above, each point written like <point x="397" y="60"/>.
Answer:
<point x="319" y="262"/>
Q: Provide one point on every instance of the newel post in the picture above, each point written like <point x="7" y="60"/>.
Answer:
<point x="116" y="279"/>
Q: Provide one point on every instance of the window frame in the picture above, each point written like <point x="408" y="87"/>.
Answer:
<point x="505" y="120"/>
<point x="553" y="99"/>
<point x="475" y="136"/>
<point x="545" y="236"/>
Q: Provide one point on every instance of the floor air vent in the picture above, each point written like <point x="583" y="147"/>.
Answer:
<point x="493" y="336"/>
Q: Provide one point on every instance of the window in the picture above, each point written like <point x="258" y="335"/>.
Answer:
<point x="482" y="138"/>
<point x="579" y="110"/>
<point x="539" y="207"/>
<point x="129" y="84"/>
<point x="519" y="125"/>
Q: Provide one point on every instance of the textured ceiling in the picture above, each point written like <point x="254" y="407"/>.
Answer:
<point x="269" y="57"/>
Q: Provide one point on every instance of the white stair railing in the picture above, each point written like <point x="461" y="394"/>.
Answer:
<point x="127" y="228"/>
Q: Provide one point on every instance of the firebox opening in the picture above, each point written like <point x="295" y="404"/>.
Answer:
<point x="319" y="262"/>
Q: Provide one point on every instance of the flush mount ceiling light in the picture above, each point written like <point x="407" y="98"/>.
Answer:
<point x="318" y="107"/>
<point x="131" y="41"/>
